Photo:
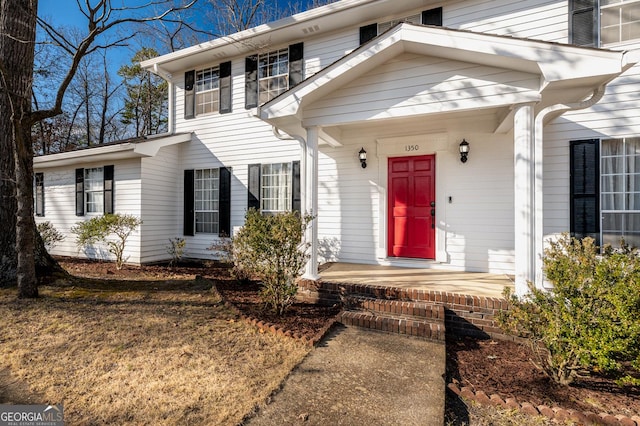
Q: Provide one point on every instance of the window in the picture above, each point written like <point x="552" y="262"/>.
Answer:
<point x="604" y="22"/>
<point x="275" y="184"/>
<point x="619" y="21"/>
<point x="207" y="201"/>
<point x="427" y="17"/>
<point x="273" y="74"/>
<point x="207" y="90"/>
<point x="206" y="193"/>
<point x="413" y="19"/>
<point x="269" y="74"/>
<point x="207" y="85"/>
<point x="620" y="191"/>
<point x="94" y="190"/>
<point x="274" y="187"/>
<point x="39" y="194"/>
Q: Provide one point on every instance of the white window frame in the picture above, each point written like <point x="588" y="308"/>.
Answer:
<point x="206" y="196"/>
<point x="613" y="21"/>
<point x="413" y="19"/>
<point x="620" y="199"/>
<point x="276" y="187"/>
<point x="273" y="74"/>
<point x="207" y="90"/>
<point x="94" y="190"/>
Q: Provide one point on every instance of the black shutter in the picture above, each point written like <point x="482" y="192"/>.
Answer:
<point x="296" y="204"/>
<point x="189" y="215"/>
<point x="225" y="87"/>
<point x="584" y="189"/>
<point x="368" y="32"/>
<point x="224" y="224"/>
<point x="251" y="82"/>
<point x="189" y="95"/>
<point x="39" y="194"/>
<point x="432" y="17"/>
<point x="79" y="192"/>
<point x="253" y="200"/>
<point x="296" y="62"/>
<point x="108" y="189"/>
<point x="583" y="22"/>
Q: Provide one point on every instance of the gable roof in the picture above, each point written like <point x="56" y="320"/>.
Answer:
<point x="564" y="70"/>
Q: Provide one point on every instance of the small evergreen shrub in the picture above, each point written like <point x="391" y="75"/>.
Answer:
<point x="50" y="235"/>
<point x="590" y="321"/>
<point x="98" y="229"/>
<point x="271" y="249"/>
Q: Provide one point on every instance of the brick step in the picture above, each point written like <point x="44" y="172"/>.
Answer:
<point x="396" y="308"/>
<point x="422" y="328"/>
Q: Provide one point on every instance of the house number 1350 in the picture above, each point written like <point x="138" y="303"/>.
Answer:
<point x="410" y="148"/>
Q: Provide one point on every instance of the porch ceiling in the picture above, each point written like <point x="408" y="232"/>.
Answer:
<point x="560" y="74"/>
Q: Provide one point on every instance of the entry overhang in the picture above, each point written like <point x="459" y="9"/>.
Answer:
<point x="562" y="73"/>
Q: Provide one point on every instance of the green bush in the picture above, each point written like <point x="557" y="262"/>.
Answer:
<point x="590" y="321"/>
<point x="271" y="249"/>
<point x="50" y="235"/>
<point x="98" y="229"/>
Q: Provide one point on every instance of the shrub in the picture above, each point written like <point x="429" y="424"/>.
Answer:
<point x="271" y="249"/>
<point x="50" y="235"/>
<point x="176" y="250"/>
<point x="590" y="321"/>
<point x="100" y="228"/>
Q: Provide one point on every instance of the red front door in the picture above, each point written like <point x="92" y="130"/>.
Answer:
<point x="412" y="199"/>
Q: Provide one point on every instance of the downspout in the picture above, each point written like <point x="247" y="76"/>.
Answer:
<point x="303" y="164"/>
<point x="166" y="76"/>
<point x="597" y="94"/>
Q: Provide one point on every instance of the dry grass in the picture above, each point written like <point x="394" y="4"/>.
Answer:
<point x="114" y="355"/>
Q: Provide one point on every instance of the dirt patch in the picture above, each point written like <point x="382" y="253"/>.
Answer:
<point x="505" y="368"/>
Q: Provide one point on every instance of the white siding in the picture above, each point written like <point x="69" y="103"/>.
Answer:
<point x="160" y="201"/>
<point x="60" y="206"/>
<point x="536" y="19"/>
<point x="412" y="84"/>
<point x="477" y="224"/>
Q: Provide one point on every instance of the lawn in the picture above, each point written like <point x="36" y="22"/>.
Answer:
<point x="151" y="352"/>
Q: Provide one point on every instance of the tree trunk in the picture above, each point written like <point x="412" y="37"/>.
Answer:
<point x="18" y="242"/>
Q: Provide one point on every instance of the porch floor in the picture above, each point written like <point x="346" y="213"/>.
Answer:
<point x="468" y="283"/>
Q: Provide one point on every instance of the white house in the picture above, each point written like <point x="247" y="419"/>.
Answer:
<point x="543" y="94"/>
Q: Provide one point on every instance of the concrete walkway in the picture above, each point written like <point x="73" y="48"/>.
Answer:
<point x="362" y="377"/>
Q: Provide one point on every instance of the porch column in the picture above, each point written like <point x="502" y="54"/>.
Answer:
<point x="311" y="201"/>
<point x="524" y="196"/>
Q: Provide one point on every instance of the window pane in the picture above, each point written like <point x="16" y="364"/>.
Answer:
<point x="206" y="194"/>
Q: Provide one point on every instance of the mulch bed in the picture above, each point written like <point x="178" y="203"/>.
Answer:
<point x="303" y="319"/>
<point x="505" y="368"/>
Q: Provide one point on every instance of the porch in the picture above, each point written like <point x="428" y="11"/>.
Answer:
<point x="421" y="302"/>
<point x="425" y="279"/>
